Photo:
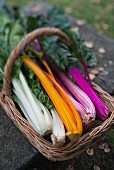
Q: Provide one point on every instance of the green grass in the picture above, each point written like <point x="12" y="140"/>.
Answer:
<point x="99" y="14"/>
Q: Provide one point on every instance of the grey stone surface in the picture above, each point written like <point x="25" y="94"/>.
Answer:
<point x="15" y="150"/>
<point x="83" y="162"/>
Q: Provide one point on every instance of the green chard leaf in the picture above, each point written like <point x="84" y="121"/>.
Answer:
<point x="58" y="18"/>
<point x="5" y="21"/>
<point x="4" y="54"/>
<point x="35" y="21"/>
<point x="80" y="49"/>
<point x="36" y="87"/>
<point x="58" y="53"/>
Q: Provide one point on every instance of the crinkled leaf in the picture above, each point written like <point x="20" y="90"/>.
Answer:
<point x="16" y="34"/>
<point x="34" y="22"/>
<point x="4" y="53"/>
<point x="58" y="18"/>
<point x="80" y="49"/>
<point x="4" y="20"/>
<point x="11" y="12"/>
<point x="58" y="53"/>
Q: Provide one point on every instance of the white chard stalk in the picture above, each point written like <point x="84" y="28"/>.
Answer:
<point x="58" y="130"/>
<point x="34" y="111"/>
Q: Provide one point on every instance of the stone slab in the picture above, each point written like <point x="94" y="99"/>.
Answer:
<point x="15" y="150"/>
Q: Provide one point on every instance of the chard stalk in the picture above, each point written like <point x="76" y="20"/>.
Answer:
<point x="27" y="117"/>
<point x="82" y="111"/>
<point x="102" y="110"/>
<point x="22" y="99"/>
<point x="34" y="111"/>
<point x="37" y="45"/>
<point x="58" y="130"/>
<point x="79" y="95"/>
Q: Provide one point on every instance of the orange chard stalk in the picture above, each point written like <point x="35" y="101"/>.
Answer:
<point x="64" y="95"/>
<point x="47" y="67"/>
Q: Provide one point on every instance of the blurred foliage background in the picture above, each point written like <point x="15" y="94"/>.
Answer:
<point x="99" y="14"/>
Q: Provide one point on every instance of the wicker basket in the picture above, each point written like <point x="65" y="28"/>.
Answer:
<point x="70" y="150"/>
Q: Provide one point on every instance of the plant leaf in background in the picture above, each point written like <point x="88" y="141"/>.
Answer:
<point x="35" y="21"/>
<point x="11" y="12"/>
<point x="3" y="57"/>
<point x="58" y="18"/>
<point x="16" y="33"/>
<point x="10" y="30"/>
<point x="4" y="20"/>
<point x="10" y="34"/>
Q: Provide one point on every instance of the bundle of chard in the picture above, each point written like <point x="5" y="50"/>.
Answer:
<point x="51" y="84"/>
<point x="54" y="101"/>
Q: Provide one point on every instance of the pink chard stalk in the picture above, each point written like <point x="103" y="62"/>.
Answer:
<point x="80" y="96"/>
<point x="78" y="106"/>
<point x="37" y="45"/>
<point x="101" y="109"/>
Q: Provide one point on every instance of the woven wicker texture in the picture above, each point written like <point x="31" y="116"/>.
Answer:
<point x="71" y="149"/>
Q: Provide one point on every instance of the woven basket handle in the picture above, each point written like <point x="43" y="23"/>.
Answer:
<point x="6" y="90"/>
